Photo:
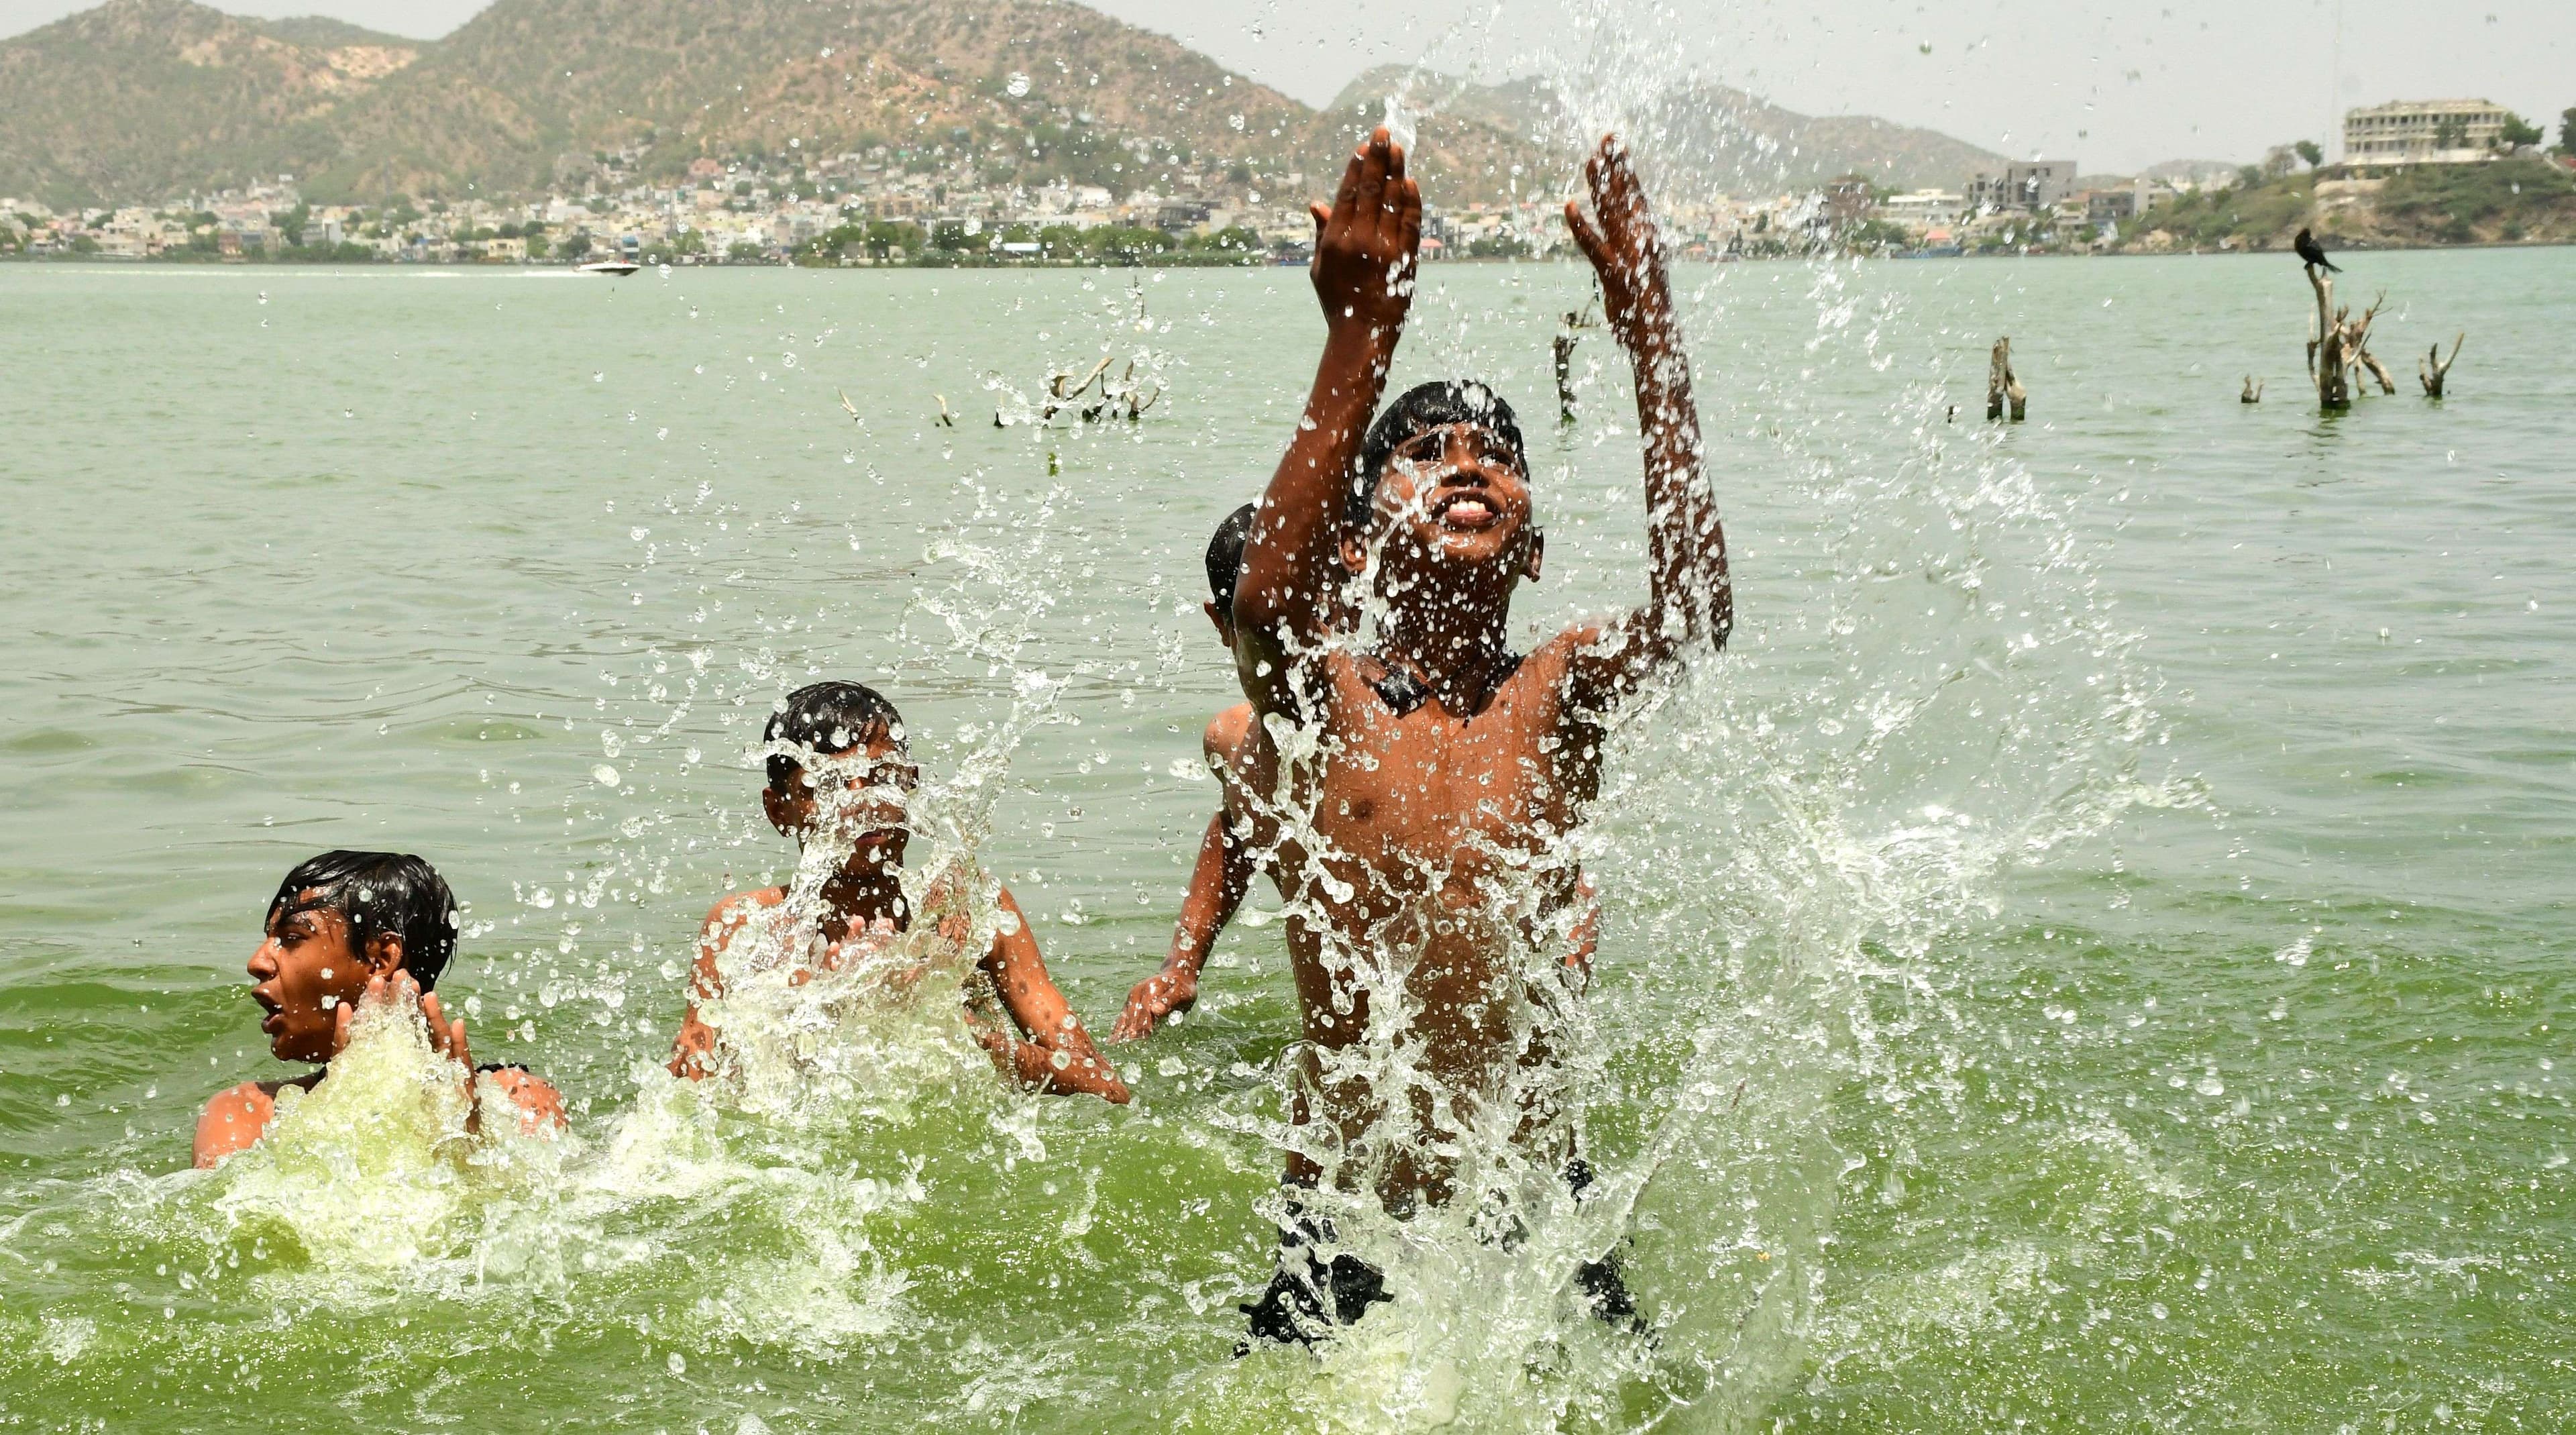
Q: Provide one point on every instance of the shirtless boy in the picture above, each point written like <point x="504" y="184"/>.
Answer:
<point x="347" y="928"/>
<point x="1449" y="769"/>
<point x="1226" y="863"/>
<point x="856" y="738"/>
<point x="1228" y="859"/>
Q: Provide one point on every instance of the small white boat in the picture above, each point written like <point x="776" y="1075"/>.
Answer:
<point x="609" y="266"/>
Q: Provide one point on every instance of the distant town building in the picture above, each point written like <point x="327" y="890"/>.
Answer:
<point x="2110" y="206"/>
<point x="2035" y="186"/>
<point x="1923" y="206"/>
<point x="1179" y="217"/>
<point x="2404" y="132"/>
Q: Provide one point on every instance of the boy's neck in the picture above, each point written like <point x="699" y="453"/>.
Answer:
<point x="1456" y="659"/>
<point x="852" y="900"/>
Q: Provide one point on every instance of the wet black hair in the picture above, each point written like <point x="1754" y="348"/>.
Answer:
<point x="829" y="718"/>
<point x="1417" y="411"/>
<point x="1225" y="558"/>
<point x="389" y="892"/>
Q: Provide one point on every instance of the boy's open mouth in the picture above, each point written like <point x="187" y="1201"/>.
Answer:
<point x="1467" y="512"/>
<point x="276" y="1010"/>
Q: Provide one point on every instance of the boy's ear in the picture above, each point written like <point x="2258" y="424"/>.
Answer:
<point x="1355" y="552"/>
<point x="1224" y="621"/>
<point x="1534" y="554"/>
<point x="774" y="803"/>
<point x="382" y="954"/>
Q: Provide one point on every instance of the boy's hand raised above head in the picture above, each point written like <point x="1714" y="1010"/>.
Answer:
<point x="1368" y="240"/>
<point x="1366" y="245"/>
<point x="1625" y="250"/>
<point x="1690" y="603"/>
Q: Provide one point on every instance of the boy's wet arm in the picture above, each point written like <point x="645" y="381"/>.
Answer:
<point x="1365" y="251"/>
<point x="693" y="1046"/>
<point x="1020" y="979"/>
<point x="1690" y="603"/>
<point x="1042" y="1014"/>
<point x="1218" y="880"/>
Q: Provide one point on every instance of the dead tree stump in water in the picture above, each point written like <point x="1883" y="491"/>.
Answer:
<point x="1565" y="374"/>
<point x="2433" y="369"/>
<point x="2341" y="346"/>
<point x="2001" y="386"/>
<point x="2253" y="392"/>
<point x="2361" y="355"/>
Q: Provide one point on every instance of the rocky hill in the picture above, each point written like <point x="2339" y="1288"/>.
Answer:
<point x="145" y="98"/>
<point x="139" y="100"/>
<point x="1724" y="138"/>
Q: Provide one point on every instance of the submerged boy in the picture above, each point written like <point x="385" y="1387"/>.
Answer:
<point x="1230" y="850"/>
<point x="1434" y="777"/>
<point x="843" y="797"/>
<point x="345" y="929"/>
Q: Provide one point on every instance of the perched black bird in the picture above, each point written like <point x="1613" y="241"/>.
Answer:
<point x="2306" y="244"/>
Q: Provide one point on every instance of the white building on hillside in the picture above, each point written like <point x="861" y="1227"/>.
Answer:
<point x="2405" y="132"/>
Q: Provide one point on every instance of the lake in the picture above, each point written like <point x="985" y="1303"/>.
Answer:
<point x="2093" y="953"/>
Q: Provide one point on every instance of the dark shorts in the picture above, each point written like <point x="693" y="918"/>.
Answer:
<point x="1309" y="1295"/>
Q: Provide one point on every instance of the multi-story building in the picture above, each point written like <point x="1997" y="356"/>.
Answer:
<point x="2034" y="186"/>
<point x="2404" y="132"/>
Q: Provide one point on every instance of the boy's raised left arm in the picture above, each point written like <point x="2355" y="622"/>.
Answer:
<point x="1690" y="603"/>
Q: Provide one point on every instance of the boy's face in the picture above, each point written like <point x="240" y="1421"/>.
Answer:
<point x="304" y="968"/>
<point x="863" y="793"/>
<point x="1457" y="495"/>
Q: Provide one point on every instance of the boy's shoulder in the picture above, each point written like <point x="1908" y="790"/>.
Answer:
<point x="235" y="1118"/>
<point x="735" y="909"/>
<point x="1228" y="732"/>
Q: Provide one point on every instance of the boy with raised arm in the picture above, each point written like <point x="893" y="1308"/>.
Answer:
<point x="348" y="931"/>
<point x="1230" y="850"/>
<point x="844" y="793"/>
<point x="1435" y="775"/>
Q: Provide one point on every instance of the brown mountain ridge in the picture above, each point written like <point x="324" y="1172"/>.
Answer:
<point x="141" y="101"/>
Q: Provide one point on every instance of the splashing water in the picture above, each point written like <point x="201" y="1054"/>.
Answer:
<point x="1927" y="691"/>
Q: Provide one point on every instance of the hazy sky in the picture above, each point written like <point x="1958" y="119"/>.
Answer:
<point x="2114" y="86"/>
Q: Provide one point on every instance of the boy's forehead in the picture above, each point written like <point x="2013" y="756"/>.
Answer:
<point x="1472" y="428"/>
<point x="310" y="907"/>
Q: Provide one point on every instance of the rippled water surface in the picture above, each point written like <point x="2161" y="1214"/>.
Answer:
<point x="2093" y="954"/>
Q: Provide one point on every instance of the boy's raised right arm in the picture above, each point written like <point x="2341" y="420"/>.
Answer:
<point x="1365" y="249"/>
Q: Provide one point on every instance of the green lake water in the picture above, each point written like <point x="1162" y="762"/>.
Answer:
<point x="2092" y="955"/>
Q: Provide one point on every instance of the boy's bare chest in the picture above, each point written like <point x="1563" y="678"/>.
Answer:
<point x="1432" y="788"/>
